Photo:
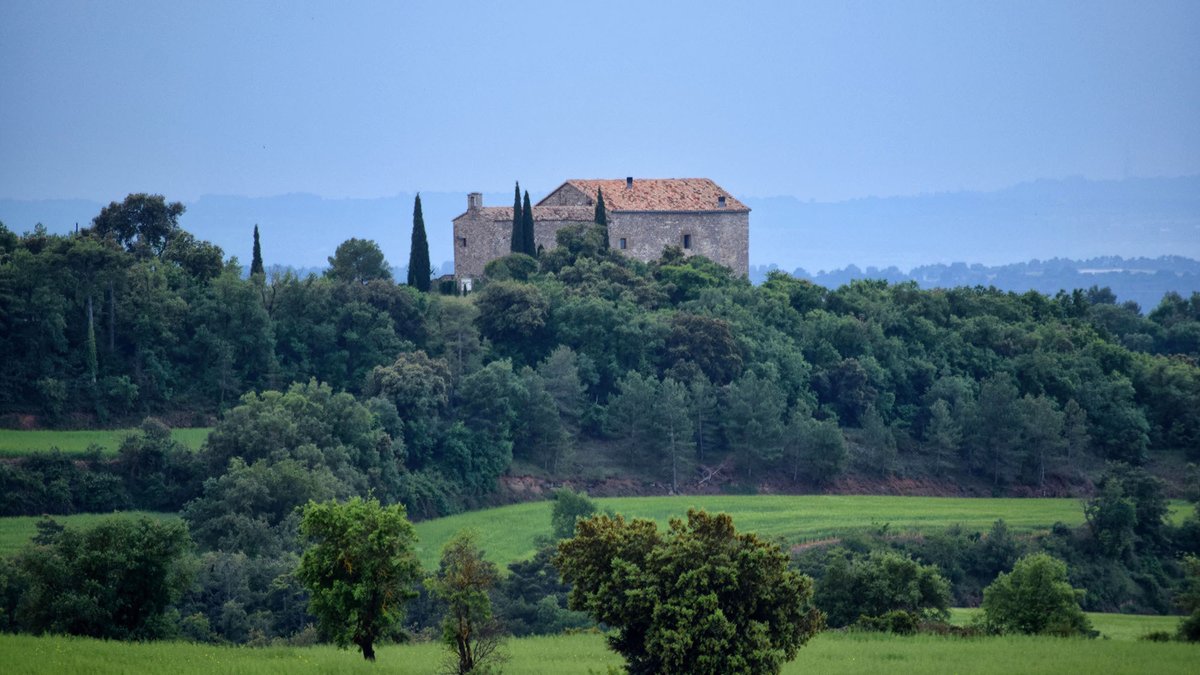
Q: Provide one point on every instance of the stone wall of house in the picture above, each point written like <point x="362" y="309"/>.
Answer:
<point x="484" y="234"/>
<point x="721" y="237"/>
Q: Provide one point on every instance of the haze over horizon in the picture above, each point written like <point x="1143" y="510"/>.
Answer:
<point x="825" y="102"/>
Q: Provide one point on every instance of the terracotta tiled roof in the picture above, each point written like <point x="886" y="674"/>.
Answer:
<point x="505" y="213"/>
<point x="660" y="194"/>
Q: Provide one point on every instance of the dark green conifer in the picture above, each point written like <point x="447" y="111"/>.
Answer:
<point x="518" y="234"/>
<point x="418" y="255"/>
<point x="602" y="214"/>
<point x="256" y="263"/>
<point x="530" y="248"/>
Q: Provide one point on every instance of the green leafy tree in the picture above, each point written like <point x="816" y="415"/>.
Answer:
<point x="143" y="223"/>
<point x="700" y="598"/>
<point x="115" y="580"/>
<point x="1111" y="519"/>
<point x="706" y="342"/>
<point x="256" y="261"/>
<point x="463" y="583"/>
<point x="1035" y="598"/>
<point x="358" y="261"/>
<point x="517" y="244"/>
<point x="513" y="316"/>
<point x="882" y="582"/>
<point x="569" y="507"/>
<point x="419" y="271"/>
<point x="359" y="569"/>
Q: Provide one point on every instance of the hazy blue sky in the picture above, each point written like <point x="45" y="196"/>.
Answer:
<point x="817" y="100"/>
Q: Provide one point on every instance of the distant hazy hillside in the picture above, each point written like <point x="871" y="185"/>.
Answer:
<point x="1142" y="280"/>
<point x="1072" y="218"/>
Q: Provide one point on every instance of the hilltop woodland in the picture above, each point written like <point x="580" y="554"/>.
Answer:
<point x="582" y="366"/>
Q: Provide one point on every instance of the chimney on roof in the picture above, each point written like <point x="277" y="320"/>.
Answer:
<point x="474" y="201"/>
<point x="721" y="202"/>
<point x="628" y="182"/>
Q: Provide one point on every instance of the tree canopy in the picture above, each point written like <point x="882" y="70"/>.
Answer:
<point x="700" y="598"/>
<point x="359" y="569"/>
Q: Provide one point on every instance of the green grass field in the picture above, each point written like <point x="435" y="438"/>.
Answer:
<point x="17" y="531"/>
<point x="507" y="533"/>
<point x="15" y="443"/>
<point x="583" y="654"/>
<point x="1112" y="626"/>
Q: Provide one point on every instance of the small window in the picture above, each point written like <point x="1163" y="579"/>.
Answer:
<point x="462" y="241"/>
<point x="687" y="241"/>
<point x="621" y="243"/>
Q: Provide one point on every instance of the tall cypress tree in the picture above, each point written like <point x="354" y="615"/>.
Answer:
<point x="418" y="255"/>
<point x="256" y="264"/>
<point x="527" y="227"/>
<point x="602" y="214"/>
<point x="518" y="235"/>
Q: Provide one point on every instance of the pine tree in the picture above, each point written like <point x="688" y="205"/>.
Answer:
<point x="527" y="227"/>
<point x="256" y="263"/>
<point x="418" y="255"/>
<point x="518" y="236"/>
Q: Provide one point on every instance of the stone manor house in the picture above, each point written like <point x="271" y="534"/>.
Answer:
<point x="644" y="217"/>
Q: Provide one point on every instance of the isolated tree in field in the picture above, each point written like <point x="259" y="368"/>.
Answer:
<point x="418" y="254"/>
<point x="464" y="581"/>
<point x="359" y="569"/>
<point x="527" y="239"/>
<point x="256" y="261"/>
<point x="699" y="598"/>
<point x="517" y="244"/>
<point x="358" y="261"/>
<point x="143" y="223"/>
<point x="1035" y="598"/>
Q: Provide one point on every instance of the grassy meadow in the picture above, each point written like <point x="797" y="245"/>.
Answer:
<point x="17" y="443"/>
<point x="586" y="653"/>
<point x="17" y="531"/>
<point x="1111" y="626"/>
<point x="508" y="533"/>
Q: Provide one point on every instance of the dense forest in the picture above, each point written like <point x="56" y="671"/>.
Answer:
<point x="577" y="364"/>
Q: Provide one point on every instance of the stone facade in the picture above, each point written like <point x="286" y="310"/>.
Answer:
<point x="644" y="217"/>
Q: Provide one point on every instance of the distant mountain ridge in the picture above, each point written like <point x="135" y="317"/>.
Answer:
<point x="1141" y="280"/>
<point x="1071" y="218"/>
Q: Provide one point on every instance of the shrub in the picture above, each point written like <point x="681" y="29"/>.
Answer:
<point x="1035" y="598"/>
<point x="879" y="584"/>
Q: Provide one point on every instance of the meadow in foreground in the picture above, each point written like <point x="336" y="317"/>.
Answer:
<point x="586" y="653"/>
